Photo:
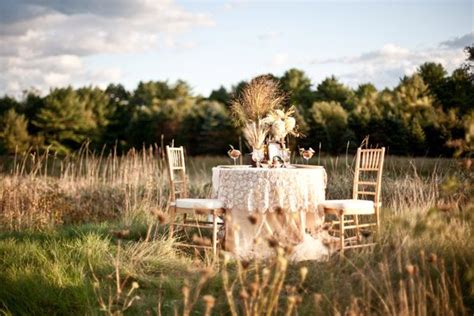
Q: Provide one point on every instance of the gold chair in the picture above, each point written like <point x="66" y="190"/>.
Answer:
<point x="349" y="213"/>
<point x="179" y="204"/>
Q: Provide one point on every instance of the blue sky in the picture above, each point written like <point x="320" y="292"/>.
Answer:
<point x="209" y="43"/>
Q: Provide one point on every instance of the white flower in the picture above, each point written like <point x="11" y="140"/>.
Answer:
<point x="268" y="120"/>
<point x="290" y="124"/>
<point x="280" y="114"/>
<point x="278" y="130"/>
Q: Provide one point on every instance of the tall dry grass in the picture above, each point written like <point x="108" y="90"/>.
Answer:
<point x="422" y="265"/>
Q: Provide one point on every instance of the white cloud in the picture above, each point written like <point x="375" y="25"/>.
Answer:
<point x="386" y="65"/>
<point x="232" y="4"/>
<point x="269" y="36"/>
<point x="48" y="40"/>
<point x="55" y="71"/>
<point x="279" y="59"/>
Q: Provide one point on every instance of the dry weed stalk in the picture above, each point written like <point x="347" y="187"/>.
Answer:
<point x="116" y="299"/>
<point x="190" y="298"/>
<point x="260" y="284"/>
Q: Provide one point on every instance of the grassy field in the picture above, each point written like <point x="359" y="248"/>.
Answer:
<point x="85" y="235"/>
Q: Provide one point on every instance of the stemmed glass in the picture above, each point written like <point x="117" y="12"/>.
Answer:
<point x="257" y="155"/>
<point x="307" y="154"/>
<point x="234" y="153"/>
<point x="285" y="156"/>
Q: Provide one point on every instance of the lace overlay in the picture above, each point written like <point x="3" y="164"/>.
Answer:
<point x="262" y="190"/>
<point x="297" y="191"/>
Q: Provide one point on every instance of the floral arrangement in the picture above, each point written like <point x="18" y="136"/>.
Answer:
<point x="281" y="123"/>
<point x="259" y="111"/>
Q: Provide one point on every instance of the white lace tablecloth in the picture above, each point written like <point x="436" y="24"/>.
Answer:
<point x="262" y="191"/>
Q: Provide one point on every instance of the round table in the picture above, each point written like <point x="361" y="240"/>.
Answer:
<point x="271" y="201"/>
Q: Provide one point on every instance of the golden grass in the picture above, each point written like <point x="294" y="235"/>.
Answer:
<point x="422" y="265"/>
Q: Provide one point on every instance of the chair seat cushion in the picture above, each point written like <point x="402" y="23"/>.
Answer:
<point x="199" y="204"/>
<point x="350" y="207"/>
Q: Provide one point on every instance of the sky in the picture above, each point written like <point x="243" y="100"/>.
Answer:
<point x="55" y="43"/>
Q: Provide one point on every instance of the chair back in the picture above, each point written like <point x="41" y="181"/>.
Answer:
<point x="176" y="172"/>
<point x="368" y="175"/>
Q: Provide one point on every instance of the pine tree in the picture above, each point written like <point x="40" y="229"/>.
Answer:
<point x="14" y="134"/>
<point x="65" y="121"/>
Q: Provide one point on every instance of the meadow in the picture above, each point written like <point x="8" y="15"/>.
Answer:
<point x="86" y="234"/>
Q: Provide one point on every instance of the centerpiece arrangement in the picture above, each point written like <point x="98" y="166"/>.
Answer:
<point x="265" y="124"/>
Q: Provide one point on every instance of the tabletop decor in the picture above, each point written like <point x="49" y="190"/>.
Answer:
<point x="307" y="154"/>
<point x="281" y="123"/>
<point x="259" y="111"/>
<point x="233" y="153"/>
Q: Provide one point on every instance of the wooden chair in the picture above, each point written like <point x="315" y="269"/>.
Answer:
<point x="367" y="183"/>
<point x="195" y="209"/>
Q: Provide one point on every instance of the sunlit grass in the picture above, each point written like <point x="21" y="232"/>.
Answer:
<point x="69" y="229"/>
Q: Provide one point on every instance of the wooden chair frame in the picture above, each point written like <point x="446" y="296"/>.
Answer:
<point x="368" y="161"/>
<point x="178" y="190"/>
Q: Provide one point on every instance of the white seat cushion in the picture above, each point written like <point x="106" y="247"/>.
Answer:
<point x="199" y="204"/>
<point x="350" y="207"/>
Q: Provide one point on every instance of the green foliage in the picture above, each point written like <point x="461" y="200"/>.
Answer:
<point x="330" y="89"/>
<point x="207" y="128"/>
<point x="97" y="103"/>
<point x="433" y="75"/>
<point x="7" y="103"/>
<point x="329" y="125"/>
<point x="298" y="86"/>
<point x="14" y="135"/>
<point x="66" y="120"/>
<point x="427" y="113"/>
<point x="220" y="95"/>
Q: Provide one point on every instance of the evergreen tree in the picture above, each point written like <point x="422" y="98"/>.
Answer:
<point x="298" y="87"/>
<point x="65" y="121"/>
<point x="330" y="89"/>
<point x="220" y="95"/>
<point x="207" y="128"/>
<point x="14" y="133"/>
<point x="330" y="126"/>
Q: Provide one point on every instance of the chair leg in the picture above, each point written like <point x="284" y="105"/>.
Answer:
<point x="341" y="232"/>
<point x="356" y="222"/>
<point x="214" y="234"/>
<point x="172" y="222"/>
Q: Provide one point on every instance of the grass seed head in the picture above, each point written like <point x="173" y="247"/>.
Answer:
<point x="243" y="294"/>
<point x="272" y="242"/>
<point x="303" y="273"/>
<point x="209" y="300"/>
<point x="410" y="269"/>
<point x="253" y="288"/>
<point x="317" y="298"/>
<point x="245" y="264"/>
<point x="253" y="219"/>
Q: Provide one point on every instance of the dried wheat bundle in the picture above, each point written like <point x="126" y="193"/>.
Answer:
<point x="255" y="134"/>
<point x="261" y="96"/>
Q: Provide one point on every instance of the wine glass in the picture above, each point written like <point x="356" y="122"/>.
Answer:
<point x="285" y="156"/>
<point x="234" y="153"/>
<point x="307" y="154"/>
<point x="257" y="155"/>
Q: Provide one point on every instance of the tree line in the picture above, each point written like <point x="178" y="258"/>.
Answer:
<point x="428" y="113"/>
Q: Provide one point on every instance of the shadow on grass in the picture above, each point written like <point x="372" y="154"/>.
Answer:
<point x="112" y="230"/>
<point x="33" y="294"/>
